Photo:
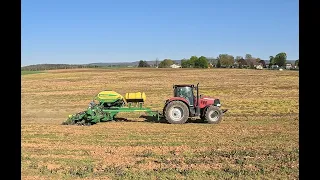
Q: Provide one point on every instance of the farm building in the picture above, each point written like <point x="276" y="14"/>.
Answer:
<point x="274" y="66"/>
<point x="259" y="67"/>
<point x="175" y="66"/>
<point x="289" y="66"/>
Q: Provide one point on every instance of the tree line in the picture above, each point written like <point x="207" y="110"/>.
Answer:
<point x="41" y="67"/>
<point x="224" y="60"/>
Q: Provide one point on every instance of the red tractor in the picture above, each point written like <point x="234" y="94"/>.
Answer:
<point x="185" y="104"/>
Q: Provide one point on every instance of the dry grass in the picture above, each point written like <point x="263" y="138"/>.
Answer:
<point x="257" y="139"/>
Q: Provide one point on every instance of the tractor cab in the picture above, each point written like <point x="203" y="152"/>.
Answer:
<point x="185" y="91"/>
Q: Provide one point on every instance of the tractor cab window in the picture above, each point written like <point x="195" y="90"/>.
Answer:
<point x="185" y="92"/>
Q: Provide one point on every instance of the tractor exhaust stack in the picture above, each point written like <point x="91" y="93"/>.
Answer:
<point x="198" y="105"/>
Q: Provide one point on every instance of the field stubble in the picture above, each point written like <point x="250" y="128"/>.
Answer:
<point x="258" y="137"/>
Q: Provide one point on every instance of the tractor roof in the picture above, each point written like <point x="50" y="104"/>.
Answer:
<point x="183" y="85"/>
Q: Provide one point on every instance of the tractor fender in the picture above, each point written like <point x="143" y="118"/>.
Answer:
<point x="177" y="99"/>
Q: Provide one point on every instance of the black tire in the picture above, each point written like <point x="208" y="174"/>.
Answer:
<point x="213" y="115"/>
<point x="176" y="112"/>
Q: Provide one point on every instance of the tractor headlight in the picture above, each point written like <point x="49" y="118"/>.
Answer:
<point x="218" y="105"/>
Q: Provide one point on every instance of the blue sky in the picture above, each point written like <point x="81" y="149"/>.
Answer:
<point x="87" y="31"/>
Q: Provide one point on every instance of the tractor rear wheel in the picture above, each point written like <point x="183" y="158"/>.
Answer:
<point x="176" y="112"/>
<point x="213" y="115"/>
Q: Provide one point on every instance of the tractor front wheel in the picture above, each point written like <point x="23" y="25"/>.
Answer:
<point x="176" y="112"/>
<point x="213" y="115"/>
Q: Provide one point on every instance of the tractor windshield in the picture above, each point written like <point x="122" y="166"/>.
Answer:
<point x="185" y="92"/>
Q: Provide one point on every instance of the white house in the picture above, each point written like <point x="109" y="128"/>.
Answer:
<point x="288" y="66"/>
<point x="259" y="67"/>
<point x="274" y="67"/>
<point x="175" y="66"/>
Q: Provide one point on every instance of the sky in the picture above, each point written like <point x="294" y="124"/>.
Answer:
<point x="90" y="31"/>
